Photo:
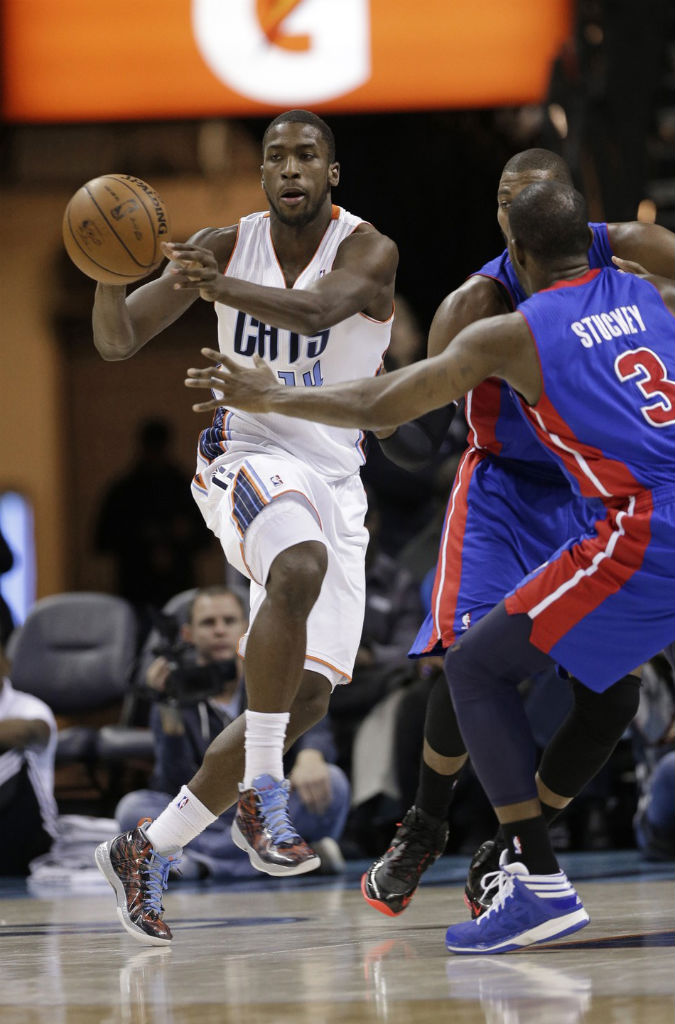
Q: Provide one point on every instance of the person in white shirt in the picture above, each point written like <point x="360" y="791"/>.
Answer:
<point x="28" y="809"/>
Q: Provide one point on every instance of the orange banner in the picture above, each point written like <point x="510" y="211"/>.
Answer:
<point x="74" y="60"/>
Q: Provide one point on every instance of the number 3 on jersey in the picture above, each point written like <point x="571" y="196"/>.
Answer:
<point x="648" y="372"/>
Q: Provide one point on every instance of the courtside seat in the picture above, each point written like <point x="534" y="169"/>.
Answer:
<point x="77" y="652"/>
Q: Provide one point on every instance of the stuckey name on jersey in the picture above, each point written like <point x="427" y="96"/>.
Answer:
<point x="614" y="323"/>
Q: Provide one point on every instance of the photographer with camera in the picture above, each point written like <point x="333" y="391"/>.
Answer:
<point x="197" y="684"/>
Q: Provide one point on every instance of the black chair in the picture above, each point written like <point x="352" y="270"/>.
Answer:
<point x="77" y="652"/>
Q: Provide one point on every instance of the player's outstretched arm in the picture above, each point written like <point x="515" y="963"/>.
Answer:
<point x="360" y="281"/>
<point x="122" y="324"/>
<point x="413" y="445"/>
<point x="498" y="347"/>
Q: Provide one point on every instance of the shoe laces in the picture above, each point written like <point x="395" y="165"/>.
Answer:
<point x="155" y="880"/>
<point x="503" y="883"/>
<point x="274" y="808"/>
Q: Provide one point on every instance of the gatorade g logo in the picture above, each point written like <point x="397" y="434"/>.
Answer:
<point x="285" y="52"/>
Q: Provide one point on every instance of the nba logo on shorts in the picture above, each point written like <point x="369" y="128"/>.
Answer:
<point x="466" y="620"/>
<point x="517" y="845"/>
<point x="182" y="802"/>
<point x="276" y="480"/>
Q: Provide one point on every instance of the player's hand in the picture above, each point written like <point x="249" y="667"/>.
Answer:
<point x="310" y="778"/>
<point x="235" y="386"/>
<point x="193" y="267"/>
<point x="629" y="267"/>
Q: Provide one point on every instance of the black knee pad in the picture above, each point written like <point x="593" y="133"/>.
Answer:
<point x="607" y="715"/>
<point x="588" y="736"/>
<point x="441" y="729"/>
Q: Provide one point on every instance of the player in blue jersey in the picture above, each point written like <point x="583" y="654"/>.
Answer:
<point x="509" y="507"/>
<point x="590" y="363"/>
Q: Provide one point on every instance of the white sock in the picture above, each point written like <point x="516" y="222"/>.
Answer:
<point x="265" y="735"/>
<point x="179" y="823"/>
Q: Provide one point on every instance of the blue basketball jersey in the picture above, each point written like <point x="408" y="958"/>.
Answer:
<point x="501" y="269"/>
<point x="607" y="411"/>
<point x="603" y="603"/>
<point x="492" y="411"/>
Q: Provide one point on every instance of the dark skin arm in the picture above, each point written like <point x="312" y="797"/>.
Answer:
<point x="500" y="346"/>
<point x="474" y="300"/>
<point x="124" y="324"/>
<point x="361" y="280"/>
<point x="664" y="285"/>
<point x="19" y="733"/>
<point x="649" y="245"/>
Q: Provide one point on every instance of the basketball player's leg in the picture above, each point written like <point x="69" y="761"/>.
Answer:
<point x="465" y="589"/>
<point x="216" y="782"/>
<point x="137" y="865"/>
<point x="285" y="548"/>
<point x="484" y="669"/>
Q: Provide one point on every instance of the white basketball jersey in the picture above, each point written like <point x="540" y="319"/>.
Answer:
<point x="350" y="350"/>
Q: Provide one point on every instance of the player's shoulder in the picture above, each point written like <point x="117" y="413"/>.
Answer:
<point x="365" y="244"/>
<point x="364" y="229"/>
<point x="476" y="298"/>
<point x="623" y="234"/>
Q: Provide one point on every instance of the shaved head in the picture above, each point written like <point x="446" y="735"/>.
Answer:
<point x="549" y="220"/>
<point x="539" y="160"/>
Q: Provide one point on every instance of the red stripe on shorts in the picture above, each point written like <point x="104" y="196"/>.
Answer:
<point x="584" y="575"/>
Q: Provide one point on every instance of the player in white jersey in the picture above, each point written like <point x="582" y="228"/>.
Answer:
<point x="308" y="288"/>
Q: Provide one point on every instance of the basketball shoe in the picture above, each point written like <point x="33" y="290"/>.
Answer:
<point x="138" y="875"/>
<point x="484" y="861"/>
<point x="390" y="883"/>
<point x="525" y="910"/>
<point x="263" y="829"/>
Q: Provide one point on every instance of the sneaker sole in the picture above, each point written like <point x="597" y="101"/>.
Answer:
<point x="104" y="865"/>
<point x="383" y="908"/>
<point x="546" y="932"/>
<point x="278" y="870"/>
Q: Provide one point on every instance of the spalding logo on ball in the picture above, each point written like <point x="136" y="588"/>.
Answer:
<point x="113" y="228"/>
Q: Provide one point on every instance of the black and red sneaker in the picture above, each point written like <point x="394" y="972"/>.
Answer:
<point x="390" y="883"/>
<point x="263" y="829"/>
<point x="484" y="862"/>
<point x="138" y="875"/>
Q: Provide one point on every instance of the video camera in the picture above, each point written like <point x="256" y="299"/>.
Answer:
<point x="187" y="683"/>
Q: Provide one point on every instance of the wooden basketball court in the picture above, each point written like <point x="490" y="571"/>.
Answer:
<point x="310" y="950"/>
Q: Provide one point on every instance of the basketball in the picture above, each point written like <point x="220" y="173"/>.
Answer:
<point x="113" y="227"/>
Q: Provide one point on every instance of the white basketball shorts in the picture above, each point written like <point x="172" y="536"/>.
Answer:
<point x="260" y="504"/>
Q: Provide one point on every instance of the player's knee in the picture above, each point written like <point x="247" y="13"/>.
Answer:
<point x="296" y="576"/>
<point x="460" y="671"/>
<point x="312" y="699"/>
